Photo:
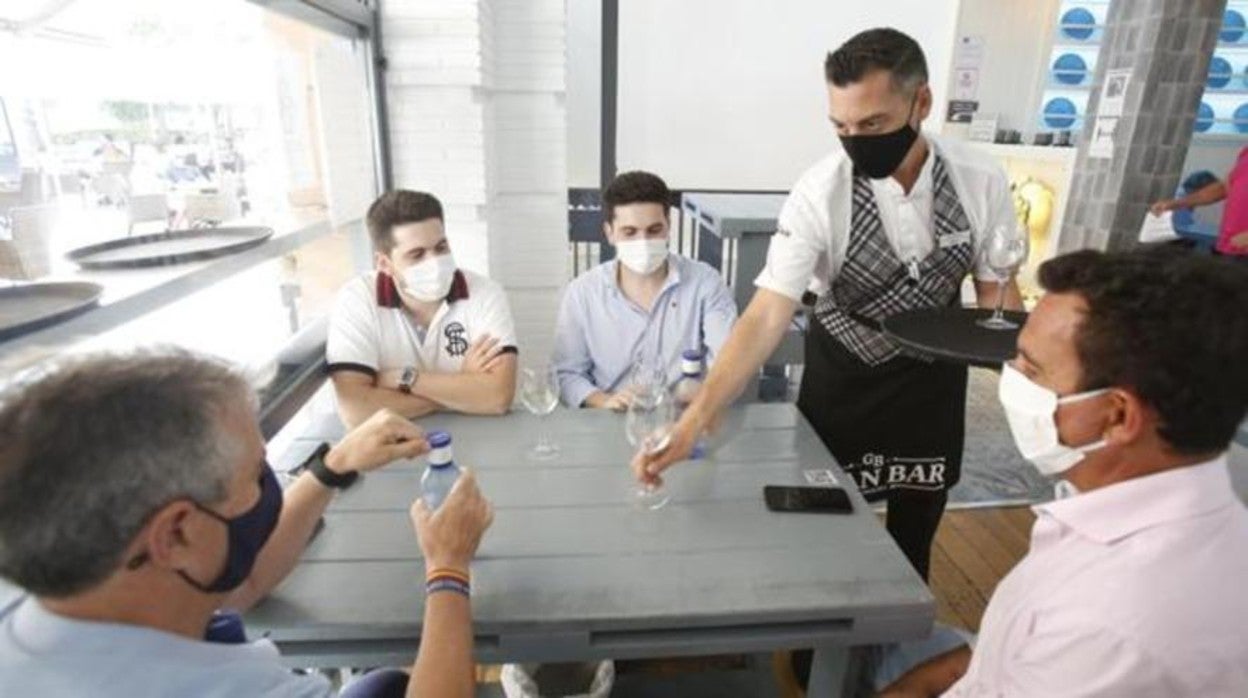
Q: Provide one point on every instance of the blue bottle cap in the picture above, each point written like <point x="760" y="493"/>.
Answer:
<point x="438" y="439"/>
<point x="691" y="355"/>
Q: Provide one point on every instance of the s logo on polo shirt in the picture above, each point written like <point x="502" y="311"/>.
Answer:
<point x="456" y="343"/>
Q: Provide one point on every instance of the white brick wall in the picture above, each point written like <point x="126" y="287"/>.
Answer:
<point x="476" y="97"/>
<point x="527" y="140"/>
<point x="437" y="120"/>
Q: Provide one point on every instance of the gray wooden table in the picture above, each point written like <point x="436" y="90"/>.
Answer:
<point x="572" y="571"/>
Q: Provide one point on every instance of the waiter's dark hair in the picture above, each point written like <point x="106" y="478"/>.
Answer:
<point x="1172" y="327"/>
<point x="396" y="208"/>
<point x="635" y="187"/>
<point x="878" y="49"/>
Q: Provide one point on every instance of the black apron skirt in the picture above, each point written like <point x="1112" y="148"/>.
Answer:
<point x="898" y="429"/>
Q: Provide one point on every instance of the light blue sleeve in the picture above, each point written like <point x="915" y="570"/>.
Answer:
<point x="571" y="359"/>
<point x="719" y="313"/>
<point x="300" y="686"/>
<point x="260" y="674"/>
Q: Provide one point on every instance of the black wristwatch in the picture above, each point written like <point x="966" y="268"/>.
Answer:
<point x="315" y="464"/>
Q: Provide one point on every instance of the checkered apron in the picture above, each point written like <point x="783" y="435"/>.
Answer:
<point x="874" y="283"/>
<point x="894" y="422"/>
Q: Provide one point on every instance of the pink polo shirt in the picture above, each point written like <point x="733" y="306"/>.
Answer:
<point x="1235" y="211"/>
<point x="1137" y="589"/>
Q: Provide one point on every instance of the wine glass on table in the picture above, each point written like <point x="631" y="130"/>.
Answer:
<point x="1004" y="252"/>
<point x="539" y="391"/>
<point x="648" y="424"/>
<point x="646" y="378"/>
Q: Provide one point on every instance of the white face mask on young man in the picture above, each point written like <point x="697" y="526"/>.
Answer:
<point x="430" y="279"/>
<point x="1032" y="413"/>
<point x="642" y="256"/>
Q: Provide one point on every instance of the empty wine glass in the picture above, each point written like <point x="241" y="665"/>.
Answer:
<point x="539" y="391"/>
<point x="646" y="379"/>
<point x="648" y="425"/>
<point x="1004" y="252"/>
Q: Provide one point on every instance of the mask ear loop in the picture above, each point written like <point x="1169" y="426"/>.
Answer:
<point x="1080" y="397"/>
<point x="145" y="557"/>
<point x="910" y="112"/>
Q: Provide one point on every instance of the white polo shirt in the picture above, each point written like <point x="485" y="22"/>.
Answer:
<point x="812" y="235"/>
<point x="44" y="654"/>
<point x="370" y="332"/>
<point x="1137" y="589"/>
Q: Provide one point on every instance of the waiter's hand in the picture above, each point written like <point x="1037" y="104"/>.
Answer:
<point x="647" y="467"/>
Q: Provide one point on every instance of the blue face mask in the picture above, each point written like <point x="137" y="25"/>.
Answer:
<point x="246" y="535"/>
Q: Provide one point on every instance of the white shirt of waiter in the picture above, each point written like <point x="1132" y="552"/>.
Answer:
<point x="1137" y="589"/>
<point x="812" y="236"/>
<point x="370" y="332"/>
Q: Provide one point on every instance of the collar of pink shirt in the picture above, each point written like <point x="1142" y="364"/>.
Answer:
<point x="1112" y="513"/>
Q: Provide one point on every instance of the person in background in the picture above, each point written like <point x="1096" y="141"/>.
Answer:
<point x="1233" y="231"/>
<point x="128" y="530"/>
<point x="646" y="307"/>
<point x="892" y="220"/>
<point x="110" y="152"/>
<point x="183" y="166"/>
<point x="418" y="334"/>
<point x="1129" y="385"/>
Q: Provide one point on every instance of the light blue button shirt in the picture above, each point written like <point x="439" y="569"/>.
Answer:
<point x="601" y="334"/>
<point x="46" y="654"/>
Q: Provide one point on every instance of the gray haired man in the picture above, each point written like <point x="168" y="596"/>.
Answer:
<point x="135" y="501"/>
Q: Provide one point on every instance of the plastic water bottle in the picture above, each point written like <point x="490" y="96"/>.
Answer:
<point x="442" y="472"/>
<point x="687" y="389"/>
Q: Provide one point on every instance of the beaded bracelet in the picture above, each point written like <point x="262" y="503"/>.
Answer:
<point x="447" y="579"/>
<point x="447" y="584"/>
<point x="447" y="572"/>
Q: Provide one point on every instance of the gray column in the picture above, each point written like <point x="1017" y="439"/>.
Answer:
<point x="1167" y="45"/>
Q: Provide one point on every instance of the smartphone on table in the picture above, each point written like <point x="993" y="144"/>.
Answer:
<point x="817" y="500"/>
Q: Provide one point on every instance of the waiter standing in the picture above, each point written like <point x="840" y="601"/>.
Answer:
<point x="891" y="221"/>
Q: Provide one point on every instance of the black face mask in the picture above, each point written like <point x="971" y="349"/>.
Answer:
<point x="246" y="535"/>
<point x="879" y="155"/>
